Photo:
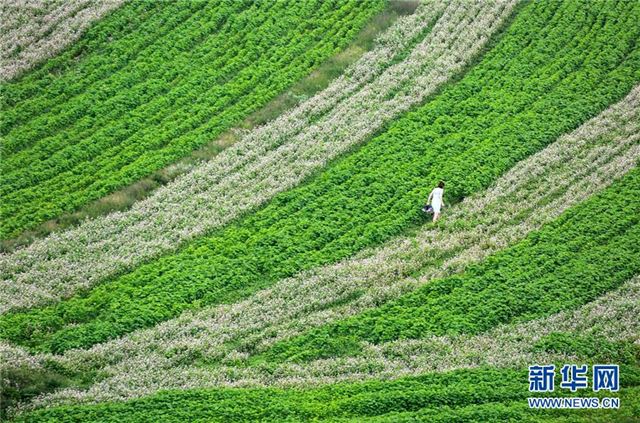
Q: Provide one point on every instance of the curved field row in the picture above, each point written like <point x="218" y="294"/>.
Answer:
<point x="319" y="222"/>
<point x="267" y="161"/>
<point x="560" y="338"/>
<point x="32" y="31"/>
<point x="588" y="251"/>
<point x="218" y="24"/>
<point x="601" y="331"/>
<point x="533" y="193"/>
<point x="219" y="66"/>
<point x="483" y="394"/>
<point x="133" y="32"/>
<point x="175" y="34"/>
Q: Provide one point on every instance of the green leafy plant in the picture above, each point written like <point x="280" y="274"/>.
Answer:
<point x="109" y="120"/>
<point x="482" y="394"/>
<point x="587" y="252"/>
<point x="553" y="68"/>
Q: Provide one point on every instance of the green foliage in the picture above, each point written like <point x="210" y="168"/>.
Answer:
<point x="122" y="199"/>
<point x="147" y="86"/>
<point x="465" y="395"/>
<point x="597" y="348"/>
<point x="553" y="68"/>
<point x="22" y="384"/>
<point x="588" y="251"/>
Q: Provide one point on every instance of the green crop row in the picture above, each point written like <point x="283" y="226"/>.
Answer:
<point x="131" y="30"/>
<point x="221" y="43"/>
<point x="136" y="78"/>
<point x="553" y="68"/>
<point x="482" y="394"/>
<point x="591" y="249"/>
<point x="220" y="65"/>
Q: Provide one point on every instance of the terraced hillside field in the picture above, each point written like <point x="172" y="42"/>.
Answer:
<point x="291" y="275"/>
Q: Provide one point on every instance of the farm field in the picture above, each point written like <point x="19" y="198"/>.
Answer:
<point x="290" y="274"/>
<point x="34" y="31"/>
<point x="81" y="138"/>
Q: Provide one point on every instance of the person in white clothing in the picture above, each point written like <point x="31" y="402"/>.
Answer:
<point x="436" y="200"/>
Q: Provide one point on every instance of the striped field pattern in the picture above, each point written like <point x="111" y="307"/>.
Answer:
<point x="293" y="277"/>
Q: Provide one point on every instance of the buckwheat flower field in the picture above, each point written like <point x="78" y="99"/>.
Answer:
<point x="212" y="210"/>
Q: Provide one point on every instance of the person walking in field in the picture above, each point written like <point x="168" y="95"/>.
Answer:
<point x="436" y="200"/>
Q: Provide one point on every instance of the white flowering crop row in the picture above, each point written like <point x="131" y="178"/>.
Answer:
<point x="505" y="346"/>
<point x="612" y="317"/>
<point x="149" y="84"/>
<point x="34" y="30"/>
<point x="265" y="162"/>
<point x="533" y="193"/>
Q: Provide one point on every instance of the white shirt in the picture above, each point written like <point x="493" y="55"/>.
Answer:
<point x="436" y="197"/>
